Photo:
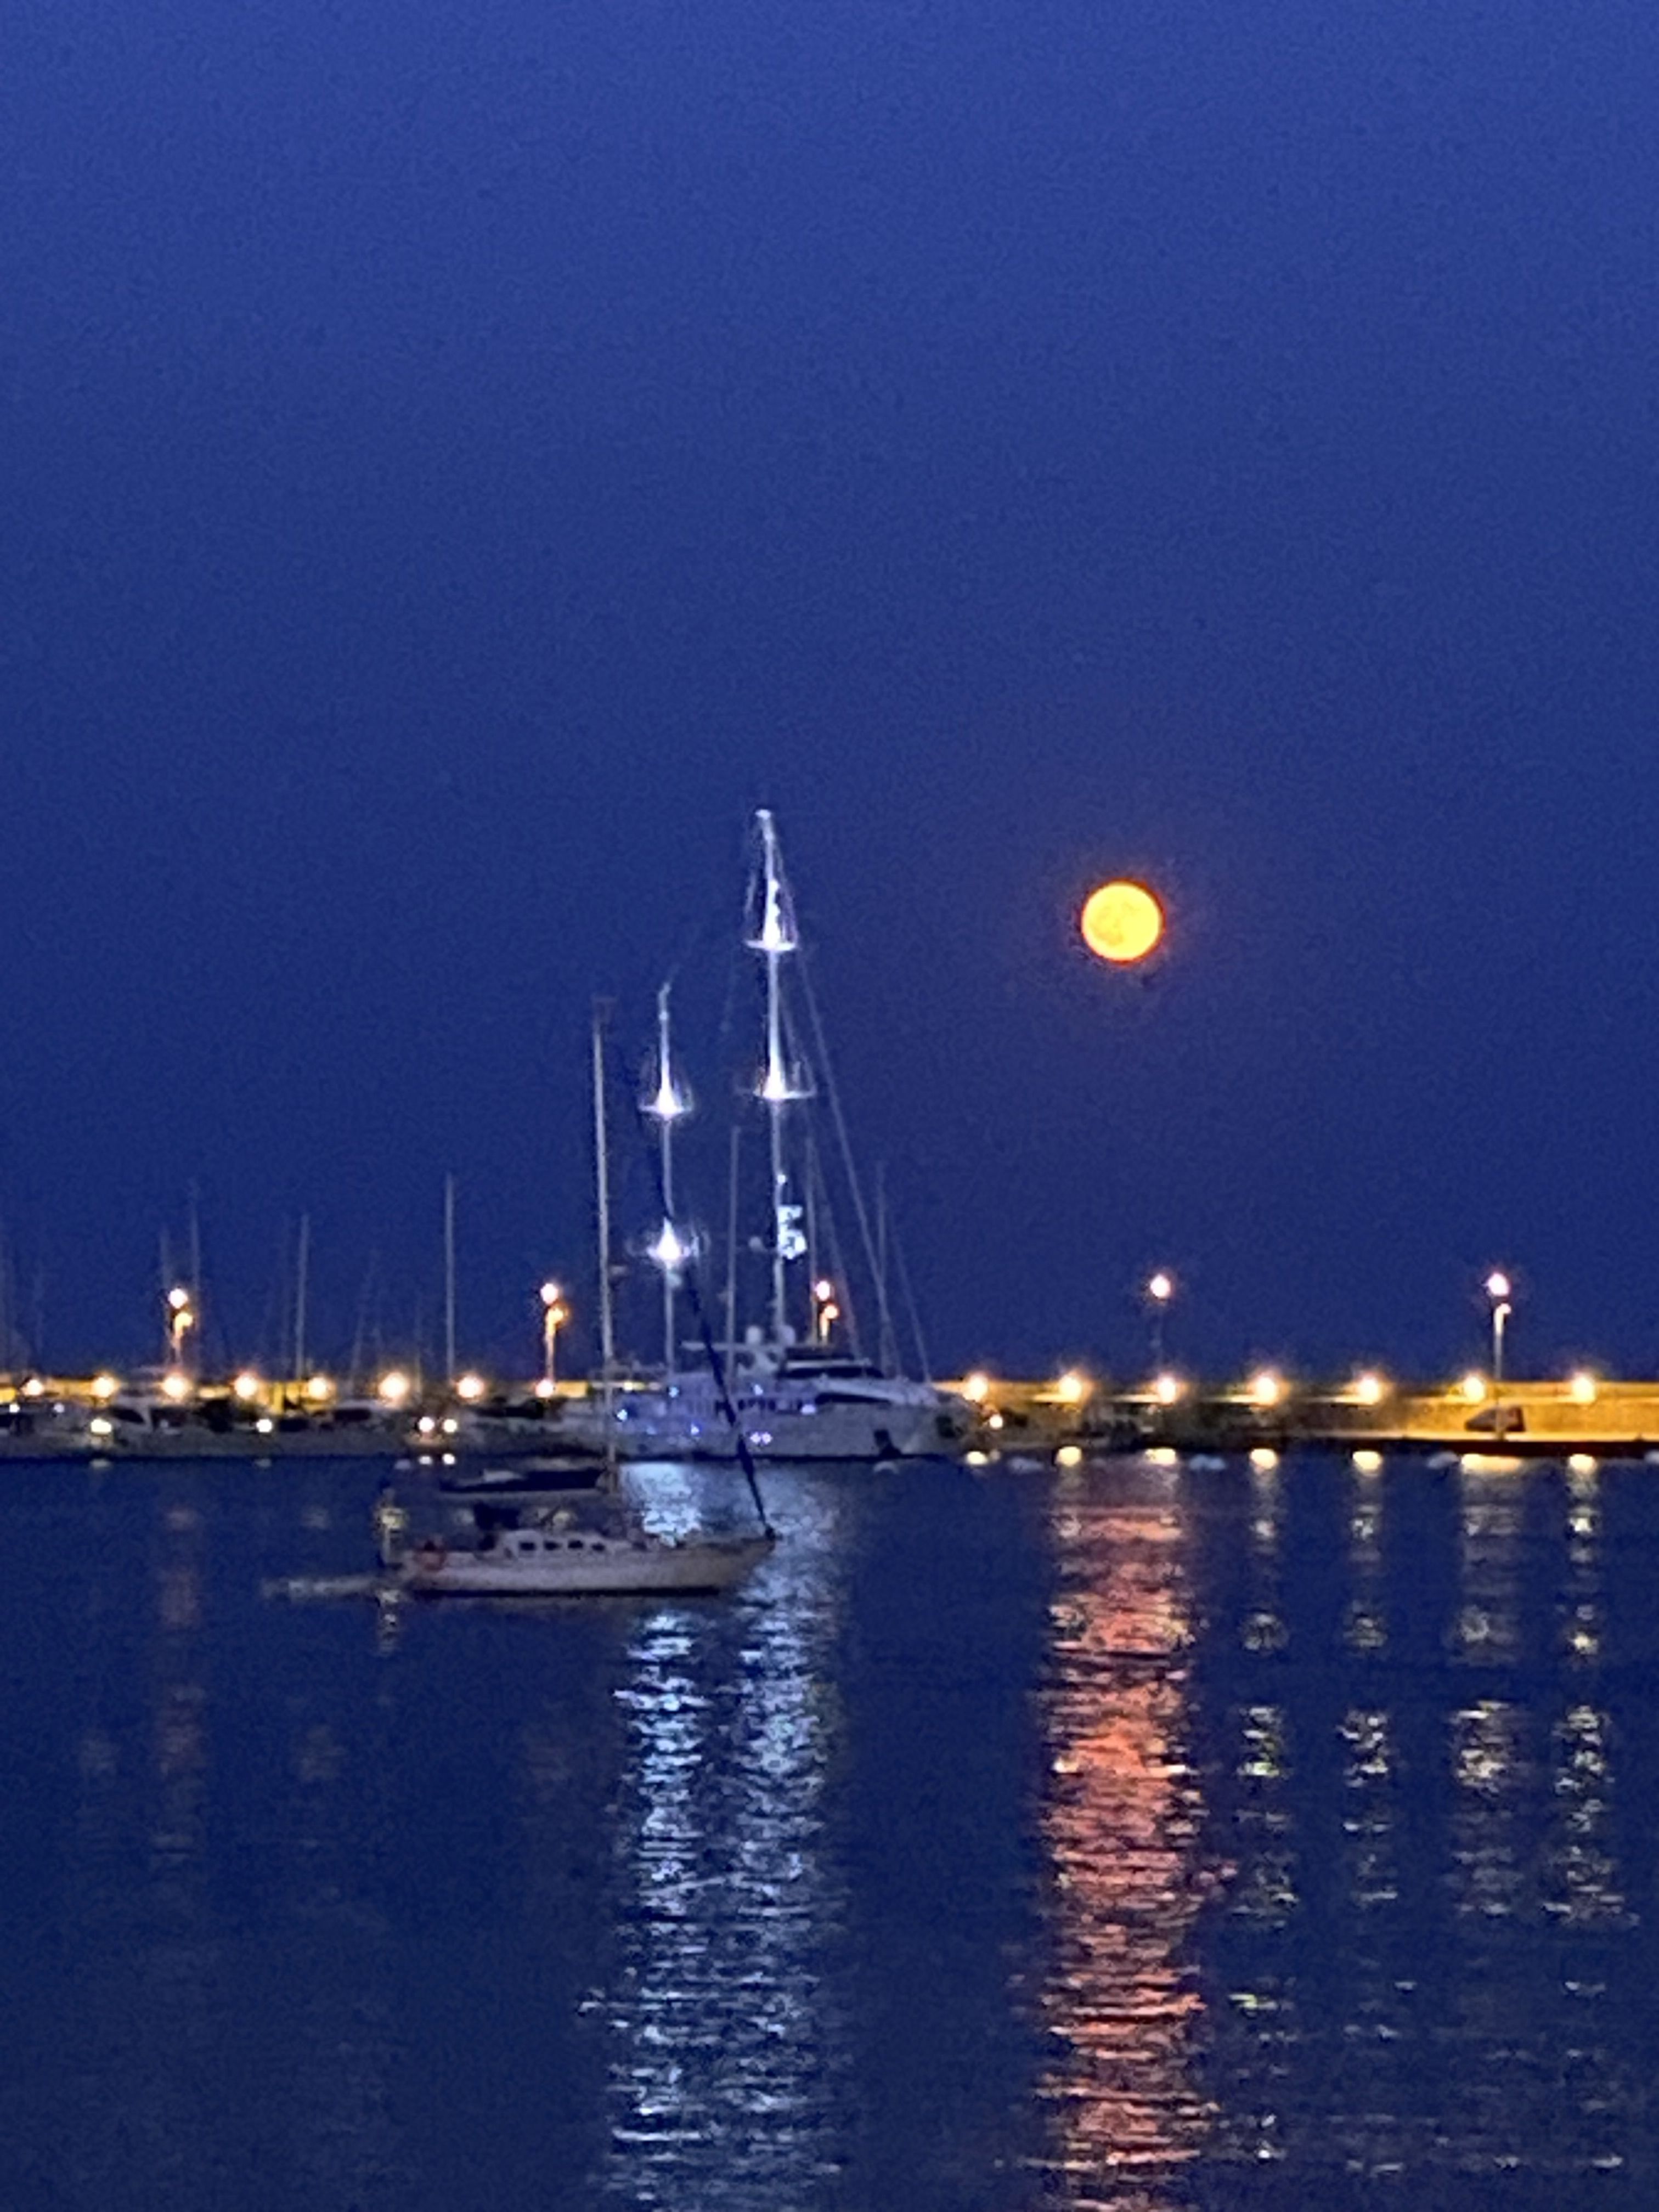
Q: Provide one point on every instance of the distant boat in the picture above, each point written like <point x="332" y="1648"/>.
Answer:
<point x="527" y="1478"/>
<point x="151" y="1423"/>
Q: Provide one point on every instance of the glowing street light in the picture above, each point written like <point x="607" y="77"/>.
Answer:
<point x="1500" y="1291"/>
<point x="1266" y="1388"/>
<point x="1169" y="1389"/>
<point x="555" y="1314"/>
<point x="393" y="1387"/>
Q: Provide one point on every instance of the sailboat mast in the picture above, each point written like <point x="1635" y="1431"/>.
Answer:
<point x="776" y="942"/>
<point x="302" y="1271"/>
<point x="667" y="1101"/>
<point x="731" y="1248"/>
<point x="449" y="1278"/>
<point x="602" y="1194"/>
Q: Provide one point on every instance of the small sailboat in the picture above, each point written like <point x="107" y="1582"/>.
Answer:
<point x="545" y="1561"/>
<point x="522" y="1553"/>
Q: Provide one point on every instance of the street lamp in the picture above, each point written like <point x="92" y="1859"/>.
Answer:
<point x="555" y="1314"/>
<point x="1500" y="1291"/>
<point x="1160" y="1289"/>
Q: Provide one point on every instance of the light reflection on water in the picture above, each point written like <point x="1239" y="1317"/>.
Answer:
<point x="1121" y="1821"/>
<point x="1341" y="1886"/>
<point x="1143" y="1840"/>
<point x="728" y="2048"/>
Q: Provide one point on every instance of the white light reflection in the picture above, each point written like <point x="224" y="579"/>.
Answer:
<point x="729" y="2056"/>
<point x="1581" y="1876"/>
<point x="1263" y="1627"/>
<point x="1489" y="1625"/>
<point x="1581" y="1631"/>
<point x="1366" y="1627"/>
<point x="1494" y="1776"/>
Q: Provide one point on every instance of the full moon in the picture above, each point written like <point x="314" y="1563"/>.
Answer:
<point x="1122" y="922"/>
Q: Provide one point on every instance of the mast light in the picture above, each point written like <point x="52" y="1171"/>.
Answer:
<point x="777" y="1088"/>
<point x="670" y="1252"/>
<point x="669" y="1102"/>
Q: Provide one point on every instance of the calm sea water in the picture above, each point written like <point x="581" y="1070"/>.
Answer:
<point x="1138" y="1837"/>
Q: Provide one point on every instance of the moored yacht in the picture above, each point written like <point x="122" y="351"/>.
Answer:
<point x="804" y="1403"/>
<point x="787" y="1392"/>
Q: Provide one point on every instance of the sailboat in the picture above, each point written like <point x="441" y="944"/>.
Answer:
<point x="562" y="1553"/>
<point x="546" y="1561"/>
<point x="790" y="1397"/>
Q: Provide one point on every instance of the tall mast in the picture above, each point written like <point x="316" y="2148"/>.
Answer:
<point x="732" y="1248"/>
<point x="302" y="1264"/>
<point x="667" y="1101"/>
<point x="449" y="1280"/>
<point x="196" y="1265"/>
<point x="601" y="1195"/>
<point x="776" y="941"/>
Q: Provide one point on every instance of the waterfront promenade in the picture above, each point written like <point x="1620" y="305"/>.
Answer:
<point x="248" y="1416"/>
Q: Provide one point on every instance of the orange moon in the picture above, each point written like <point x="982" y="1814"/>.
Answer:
<point x="1122" y="922"/>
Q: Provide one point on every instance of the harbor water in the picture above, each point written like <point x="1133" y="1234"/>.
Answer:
<point x="1133" y="1836"/>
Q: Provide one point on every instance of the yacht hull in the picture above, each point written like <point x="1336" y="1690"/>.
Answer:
<point x="687" y="1424"/>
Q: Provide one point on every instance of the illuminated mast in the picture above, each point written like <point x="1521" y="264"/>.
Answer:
<point x="776" y="939"/>
<point x="665" y="1105"/>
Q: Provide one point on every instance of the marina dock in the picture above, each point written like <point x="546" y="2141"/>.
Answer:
<point x="92" y="1418"/>
<point x="1555" y="1418"/>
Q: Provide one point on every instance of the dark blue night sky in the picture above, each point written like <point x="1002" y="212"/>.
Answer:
<point x="459" y="461"/>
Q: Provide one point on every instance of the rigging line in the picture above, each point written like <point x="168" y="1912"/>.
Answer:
<point x="910" y="1309"/>
<point x="833" y="1093"/>
<point x="829" y="1230"/>
<point x="887" y="1351"/>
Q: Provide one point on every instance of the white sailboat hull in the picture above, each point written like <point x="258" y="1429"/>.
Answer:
<point x="532" y="1564"/>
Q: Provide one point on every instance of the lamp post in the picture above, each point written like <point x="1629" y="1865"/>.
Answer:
<point x="1500" y="1291"/>
<point x="1160" y="1289"/>
<point x="555" y="1314"/>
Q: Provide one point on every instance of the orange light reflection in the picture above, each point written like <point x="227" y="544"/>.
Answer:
<point x="1122" y="1825"/>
